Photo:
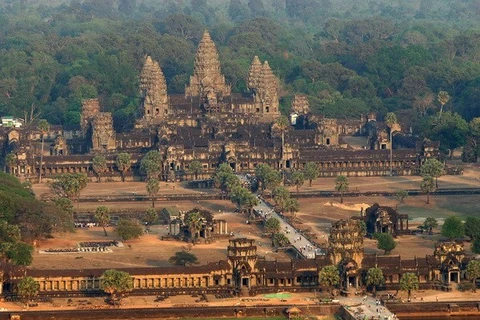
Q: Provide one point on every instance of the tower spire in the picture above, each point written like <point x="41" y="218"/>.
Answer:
<point x="207" y="81"/>
<point x="153" y="89"/>
<point x="254" y="74"/>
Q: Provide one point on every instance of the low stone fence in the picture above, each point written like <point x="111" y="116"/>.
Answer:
<point x="175" y="312"/>
<point x="438" y="309"/>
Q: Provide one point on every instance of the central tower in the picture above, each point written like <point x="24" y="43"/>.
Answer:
<point x="207" y="81"/>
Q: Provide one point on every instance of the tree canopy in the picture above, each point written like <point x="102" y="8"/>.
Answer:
<point x="128" y="229"/>
<point x="385" y="242"/>
<point x="409" y="282"/>
<point x="183" y="258"/>
<point x="329" y="277"/>
<point x="453" y="228"/>
<point x="116" y="283"/>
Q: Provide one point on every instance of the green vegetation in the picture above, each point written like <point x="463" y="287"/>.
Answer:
<point x="150" y="216"/>
<point x="183" y="258"/>
<point x="123" y="163"/>
<point x="102" y="217"/>
<point x="99" y="165"/>
<point x="280" y="240"/>
<point x="69" y="185"/>
<point x="116" y="283"/>
<point x="429" y="224"/>
<point x="272" y="226"/>
<point x="225" y="179"/>
<point x="428" y="186"/>
<point x="473" y="272"/>
<point x="374" y="278"/>
<point x="128" y="229"/>
<point x="341" y="185"/>
<point x="385" y="242"/>
<point x="27" y="289"/>
<point x="433" y="168"/>
<point x="243" y="198"/>
<point x="24" y="219"/>
<point x="329" y="277"/>
<point x="153" y="188"/>
<point x="453" y="228"/>
<point x="311" y="172"/>
<point x="409" y="282"/>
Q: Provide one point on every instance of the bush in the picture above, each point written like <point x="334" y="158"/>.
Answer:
<point x="466" y="286"/>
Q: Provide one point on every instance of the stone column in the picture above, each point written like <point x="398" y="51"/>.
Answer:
<point x="226" y="227"/>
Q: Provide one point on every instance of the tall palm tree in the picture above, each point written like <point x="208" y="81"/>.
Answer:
<point x="102" y="217"/>
<point x="391" y="121"/>
<point x="443" y="97"/>
<point x="43" y="126"/>
<point x="341" y="185"/>
<point x="194" y="223"/>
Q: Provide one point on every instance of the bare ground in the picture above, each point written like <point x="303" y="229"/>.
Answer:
<point x="149" y="250"/>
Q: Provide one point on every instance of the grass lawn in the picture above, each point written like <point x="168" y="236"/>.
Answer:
<point x="442" y="207"/>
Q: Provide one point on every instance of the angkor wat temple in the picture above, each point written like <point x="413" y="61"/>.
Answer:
<point x="211" y="124"/>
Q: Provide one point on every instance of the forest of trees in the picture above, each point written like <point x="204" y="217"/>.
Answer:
<point x="349" y="57"/>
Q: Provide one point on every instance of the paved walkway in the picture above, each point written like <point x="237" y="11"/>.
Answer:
<point x="305" y="247"/>
<point x="366" y="308"/>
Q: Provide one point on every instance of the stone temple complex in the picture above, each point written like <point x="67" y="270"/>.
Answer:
<point x="210" y="124"/>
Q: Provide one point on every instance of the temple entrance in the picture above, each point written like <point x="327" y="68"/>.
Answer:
<point x="233" y="165"/>
<point x="246" y="282"/>
<point x="352" y="281"/>
<point x="454" y="277"/>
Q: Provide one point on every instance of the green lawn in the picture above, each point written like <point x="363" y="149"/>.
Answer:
<point x="445" y="206"/>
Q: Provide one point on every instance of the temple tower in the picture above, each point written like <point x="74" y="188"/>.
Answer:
<point x="254" y="74"/>
<point x="300" y="108"/>
<point x="300" y="104"/>
<point x="103" y="134"/>
<point x="266" y="96"/>
<point x="90" y="108"/>
<point x="153" y="90"/>
<point x="207" y="81"/>
<point x="242" y="255"/>
<point x="346" y="241"/>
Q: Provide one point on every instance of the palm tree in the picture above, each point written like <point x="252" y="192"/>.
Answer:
<point x="99" y="164"/>
<point x="43" y="126"/>
<point x="374" y="278"/>
<point x="428" y="186"/>
<point x="292" y="206"/>
<point x="153" y="187"/>
<point x="27" y="289"/>
<point x="341" y="185"/>
<point x="391" y="121"/>
<point x="298" y="179"/>
<point x="195" y="168"/>
<point x="194" y="222"/>
<point x="102" y="217"/>
<point x="123" y="162"/>
<point x="443" y="97"/>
